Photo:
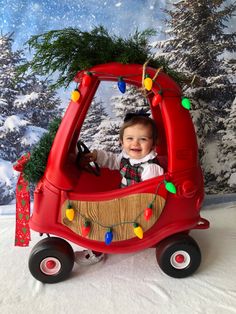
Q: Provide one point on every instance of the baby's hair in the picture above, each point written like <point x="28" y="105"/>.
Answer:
<point x="143" y="120"/>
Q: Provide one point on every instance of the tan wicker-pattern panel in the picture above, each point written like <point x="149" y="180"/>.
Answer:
<point x="117" y="213"/>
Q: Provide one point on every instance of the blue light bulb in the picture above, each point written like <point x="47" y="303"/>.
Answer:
<point x="121" y="85"/>
<point x="108" y="237"/>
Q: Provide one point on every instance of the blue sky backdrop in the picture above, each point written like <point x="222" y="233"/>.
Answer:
<point x="120" y="17"/>
<point x="26" y="18"/>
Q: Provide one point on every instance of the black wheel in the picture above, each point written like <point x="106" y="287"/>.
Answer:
<point x="178" y="256"/>
<point x="51" y="260"/>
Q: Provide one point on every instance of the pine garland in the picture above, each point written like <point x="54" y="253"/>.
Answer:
<point x="35" y="167"/>
<point x="70" y="50"/>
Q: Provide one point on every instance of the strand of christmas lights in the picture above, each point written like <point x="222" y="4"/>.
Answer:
<point x="70" y="213"/>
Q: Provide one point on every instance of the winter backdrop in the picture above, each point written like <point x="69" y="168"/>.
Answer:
<point x="196" y="37"/>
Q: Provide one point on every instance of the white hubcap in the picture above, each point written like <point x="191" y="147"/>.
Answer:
<point x="50" y="266"/>
<point x="180" y="259"/>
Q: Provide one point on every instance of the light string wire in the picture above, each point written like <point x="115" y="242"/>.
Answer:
<point x="142" y="89"/>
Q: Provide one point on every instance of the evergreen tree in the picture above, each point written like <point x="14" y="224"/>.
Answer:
<point x="40" y="100"/>
<point x="26" y="105"/>
<point x="7" y="182"/>
<point x="131" y="101"/>
<point x="197" y="31"/>
<point x="227" y="152"/>
<point x="107" y="137"/>
<point x="8" y="62"/>
<point x="197" y="39"/>
<point x="197" y="44"/>
<point x="96" y="114"/>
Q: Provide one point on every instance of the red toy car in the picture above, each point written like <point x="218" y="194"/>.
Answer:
<point x="92" y="211"/>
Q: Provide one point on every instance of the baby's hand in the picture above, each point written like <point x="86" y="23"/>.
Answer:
<point x="85" y="159"/>
<point x="91" y="157"/>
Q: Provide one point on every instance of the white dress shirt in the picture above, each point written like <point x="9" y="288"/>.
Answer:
<point x="112" y="161"/>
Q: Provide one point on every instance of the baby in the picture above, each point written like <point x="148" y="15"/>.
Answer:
<point x="137" y="161"/>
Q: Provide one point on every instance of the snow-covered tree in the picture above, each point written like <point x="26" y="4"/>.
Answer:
<point x="8" y="62"/>
<point x="107" y="137"/>
<point x="26" y="107"/>
<point x="7" y="182"/>
<point x="197" y="38"/>
<point x="131" y="101"/>
<point x="40" y="100"/>
<point x="96" y="114"/>
<point x="227" y="152"/>
<point x="197" y="35"/>
<point x="199" y="45"/>
<point x="26" y="104"/>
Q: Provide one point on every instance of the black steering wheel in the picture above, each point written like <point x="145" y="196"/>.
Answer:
<point x="91" y="167"/>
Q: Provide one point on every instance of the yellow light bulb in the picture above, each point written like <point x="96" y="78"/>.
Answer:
<point x="148" y="83"/>
<point x="138" y="231"/>
<point x="70" y="213"/>
<point x="75" y="95"/>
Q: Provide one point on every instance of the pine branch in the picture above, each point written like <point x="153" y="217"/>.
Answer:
<point x="70" y="50"/>
<point x="35" y="167"/>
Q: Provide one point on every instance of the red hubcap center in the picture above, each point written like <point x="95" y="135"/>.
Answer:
<point x="50" y="264"/>
<point x="179" y="258"/>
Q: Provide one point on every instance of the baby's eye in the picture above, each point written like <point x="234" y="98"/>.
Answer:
<point x="144" y="139"/>
<point x="129" y="138"/>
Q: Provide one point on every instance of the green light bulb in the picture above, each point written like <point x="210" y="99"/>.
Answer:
<point x="186" y="103"/>
<point x="170" y="187"/>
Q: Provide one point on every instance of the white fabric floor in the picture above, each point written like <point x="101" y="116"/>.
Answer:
<point x="130" y="283"/>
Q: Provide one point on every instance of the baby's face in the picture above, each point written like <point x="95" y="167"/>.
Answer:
<point x="137" y="141"/>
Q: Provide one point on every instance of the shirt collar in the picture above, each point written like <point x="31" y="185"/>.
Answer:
<point x="149" y="156"/>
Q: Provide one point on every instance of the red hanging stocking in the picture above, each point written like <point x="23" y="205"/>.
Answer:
<point x="22" y="231"/>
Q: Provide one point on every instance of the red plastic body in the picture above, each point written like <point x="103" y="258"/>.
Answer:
<point x="178" y="155"/>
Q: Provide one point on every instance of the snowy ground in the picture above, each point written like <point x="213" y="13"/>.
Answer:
<point x="130" y="283"/>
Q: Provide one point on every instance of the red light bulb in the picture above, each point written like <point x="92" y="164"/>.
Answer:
<point x="157" y="99"/>
<point x="148" y="213"/>
<point x="86" y="228"/>
<point x="87" y="78"/>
